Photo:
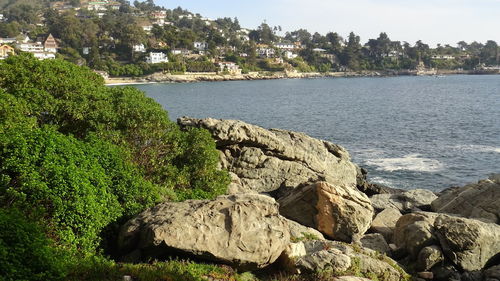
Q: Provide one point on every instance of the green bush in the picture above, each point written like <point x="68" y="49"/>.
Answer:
<point x="77" y="187"/>
<point x="25" y="252"/>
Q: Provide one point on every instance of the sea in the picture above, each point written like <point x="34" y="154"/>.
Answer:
<point x="407" y="132"/>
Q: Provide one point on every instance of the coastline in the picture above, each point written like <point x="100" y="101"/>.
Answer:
<point x="214" y="77"/>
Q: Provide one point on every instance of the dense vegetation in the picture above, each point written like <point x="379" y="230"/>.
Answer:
<point x="111" y="39"/>
<point x="78" y="158"/>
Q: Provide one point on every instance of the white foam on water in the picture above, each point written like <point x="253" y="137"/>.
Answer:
<point x="410" y="162"/>
<point x="477" y="148"/>
<point x="382" y="181"/>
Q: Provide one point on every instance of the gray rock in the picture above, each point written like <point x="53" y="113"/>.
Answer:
<point x="415" y="231"/>
<point x="376" y="242"/>
<point x="337" y="211"/>
<point x="340" y="257"/>
<point x="492" y="273"/>
<point x="405" y="201"/>
<point x="479" y="201"/>
<point x="427" y="275"/>
<point x="469" y="243"/>
<point x="268" y="160"/>
<point x="385" y="223"/>
<point x="241" y="230"/>
<point x="429" y="257"/>
<point x="301" y="232"/>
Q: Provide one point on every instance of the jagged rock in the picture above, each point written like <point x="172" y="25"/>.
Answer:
<point x="369" y="188"/>
<point x="429" y="257"/>
<point x="301" y="232"/>
<point x="405" y="201"/>
<point x="415" y="231"/>
<point x="385" y="223"/>
<point x="376" y="242"/>
<point x="479" y="201"/>
<point x="468" y="243"/>
<point x="337" y="211"/>
<point x="340" y="257"/>
<point x="241" y="230"/>
<point x="268" y="160"/>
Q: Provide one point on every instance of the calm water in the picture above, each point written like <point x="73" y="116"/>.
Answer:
<point x="408" y="132"/>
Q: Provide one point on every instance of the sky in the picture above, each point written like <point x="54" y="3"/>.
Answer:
<point x="432" y="21"/>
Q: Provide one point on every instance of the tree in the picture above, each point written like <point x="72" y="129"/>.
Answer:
<point x="351" y="53"/>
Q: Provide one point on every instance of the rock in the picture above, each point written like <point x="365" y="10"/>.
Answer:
<point x="425" y="275"/>
<point x="385" y="223"/>
<point x="414" y="232"/>
<point x="300" y="232"/>
<point x="375" y="242"/>
<point x="371" y="189"/>
<point x="492" y="273"/>
<point x="340" y="257"/>
<point x="468" y="243"/>
<point x="350" y="278"/>
<point x="245" y="231"/>
<point x="405" y="201"/>
<point x="268" y="160"/>
<point x="429" y="257"/>
<point x="479" y="201"/>
<point x="445" y="273"/>
<point x="337" y="211"/>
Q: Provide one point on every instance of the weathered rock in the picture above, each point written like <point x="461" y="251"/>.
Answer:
<point x="446" y="273"/>
<point x="385" y="223"/>
<point x="301" y="232"/>
<point x="429" y="257"/>
<point x="340" y="257"/>
<point x="268" y="160"/>
<point x="426" y="275"/>
<point x="415" y="231"/>
<point x="468" y="243"/>
<point x="405" y="201"/>
<point x="376" y="242"/>
<point x="337" y="211"/>
<point x="369" y="188"/>
<point x="492" y="273"/>
<point x="479" y="201"/>
<point x="241" y="230"/>
<point x="350" y="278"/>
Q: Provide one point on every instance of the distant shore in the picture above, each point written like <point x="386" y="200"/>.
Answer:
<point x="213" y="77"/>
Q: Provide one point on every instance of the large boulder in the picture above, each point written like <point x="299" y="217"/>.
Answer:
<point x="385" y="223"/>
<point x="404" y="201"/>
<point x="414" y="232"/>
<point x="241" y="230"/>
<point x="338" y="211"/>
<point x="268" y="160"/>
<point x="376" y="242"/>
<point x="300" y="232"/>
<point x="340" y="258"/>
<point x="479" y="201"/>
<point x="468" y="243"/>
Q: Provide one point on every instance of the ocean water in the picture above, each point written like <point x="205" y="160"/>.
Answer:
<point x="407" y="132"/>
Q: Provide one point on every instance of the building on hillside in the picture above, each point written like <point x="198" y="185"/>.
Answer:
<point x="86" y="50"/>
<point x="50" y="45"/>
<point x="30" y="47"/>
<point x="290" y="55"/>
<point x="156" y="57"/>
<point x="200" y="46"/>
<point x="139" y="48"/>
<point x="5" y="51"/>
<point x="146" y="26"/>
<point x="443" y="57"/>
<point x="159" y="14"/>
<point x="183" y="52"/>
<point x="228" y="67"/>
<point x="264" y="51"/>
<point x="286" y="46"/>
<point x="7" y="40"/>
<point x="1" y="18"/>
<point x="319" y="50"/>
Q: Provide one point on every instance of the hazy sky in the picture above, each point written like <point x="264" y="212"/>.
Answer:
<point x="432" y="21"/>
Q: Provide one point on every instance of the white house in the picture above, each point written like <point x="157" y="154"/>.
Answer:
<point x="183" y="52"/>
<point x="230" y="67"/>
<point x="147" y="27"/>
<point x="86" y="50"/>
<point x="1" y="17"/>
<point x="154" y="57"/>
<point x="285" y="46"/>
<point x="139" y="48"/>
<point x="159" y="14"/>
<point x="31" y="47"/>
<point x="290" y="55"/>
<point x="200" y="46"/>
<point x="442" y="57"/>
<point x="266" y="52"/>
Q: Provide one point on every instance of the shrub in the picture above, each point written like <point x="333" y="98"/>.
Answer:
<point x="25" y="252"/>
<point x="77" y="187"/>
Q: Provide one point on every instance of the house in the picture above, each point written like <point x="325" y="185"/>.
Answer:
<point x="290" y="55"/>
<point x="50" y="45"/>
<point x="156" y="57"/>
<point x="139" y="48"/>
<point x="2" y="17"/>
<point x="183" y="52"/>
<point x="146" y="26"/>
<point x="443" y="57"/>
<point x="264" y="51"/>
<point x="230" y="67"/>
<point x="7" y="40"/>
<point x="31" y="47"/>
<point x="86" y="50"/>
<point x="200" y="46"/>
<point x="285" y="46"/>
<point x="159" y="14"/>
<point x="5" y="51"/>
<point x="319" y="50"/>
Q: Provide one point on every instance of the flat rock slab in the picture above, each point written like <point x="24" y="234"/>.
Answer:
<point x="404" y="201"/>
<point x="268" y="160"/>
<point x="241" y="230"/>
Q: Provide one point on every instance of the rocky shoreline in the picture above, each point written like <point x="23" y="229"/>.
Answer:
<point x="213" y="77"/>
<point x="300" y="205"/>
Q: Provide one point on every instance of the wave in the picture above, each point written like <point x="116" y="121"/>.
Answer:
<point x="410" y="162"/>
<point x="477" y="148"/>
